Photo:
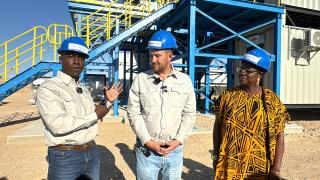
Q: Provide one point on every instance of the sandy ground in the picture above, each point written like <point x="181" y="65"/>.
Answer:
<point x="116" y="140"/>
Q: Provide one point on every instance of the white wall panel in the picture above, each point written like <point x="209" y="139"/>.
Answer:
<point x="300" y="84"/>
<point x="309" y="4"/>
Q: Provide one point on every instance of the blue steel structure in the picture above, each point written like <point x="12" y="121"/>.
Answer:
<point x="218" y="23"/>
<point x="112" y="46"/>
<point x="26" y="77"/>
<point x="242" y="16"/>
<point x="205" y="30"/>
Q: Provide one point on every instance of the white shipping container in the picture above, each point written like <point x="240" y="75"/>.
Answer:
<point x="300" y="77"/>
<point x="308" y="4"/>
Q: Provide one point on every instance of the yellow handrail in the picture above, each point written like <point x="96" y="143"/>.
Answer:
<point x="56" y="34"/>
<point x="104" y="21"/>
<point x="28" y="48"/>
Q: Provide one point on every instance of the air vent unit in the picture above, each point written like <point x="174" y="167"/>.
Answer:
<point x="312" y="38"/>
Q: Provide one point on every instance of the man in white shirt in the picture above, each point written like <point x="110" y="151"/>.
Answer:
<point x="70" y="116"/>
<point x="161" y="110"/>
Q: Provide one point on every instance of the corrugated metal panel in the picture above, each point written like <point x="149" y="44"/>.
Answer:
<point x="299" y="84"/>
<point x="309" y="4"/>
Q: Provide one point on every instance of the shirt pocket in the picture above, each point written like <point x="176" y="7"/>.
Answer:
<point x="179" y="96"/>
<point x="88" y="100"/>
<point x="149" y="99"/>
<point x="69" y="104"/>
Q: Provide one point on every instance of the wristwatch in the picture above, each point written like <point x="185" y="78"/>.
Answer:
<point x="106" y="103"/>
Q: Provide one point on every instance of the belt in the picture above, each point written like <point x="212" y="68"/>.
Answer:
<point x="83" y="147"/>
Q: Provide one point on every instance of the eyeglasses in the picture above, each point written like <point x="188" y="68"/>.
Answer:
<point x="247" y="71"/>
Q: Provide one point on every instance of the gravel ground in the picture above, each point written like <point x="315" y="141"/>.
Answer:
<point x="116" y="140"/>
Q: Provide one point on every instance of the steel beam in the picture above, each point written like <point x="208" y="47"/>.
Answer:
<point x="250" y="5"/>
<point x="192" y="40"/>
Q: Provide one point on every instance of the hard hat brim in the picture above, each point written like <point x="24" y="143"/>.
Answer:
<point x="66" y="51"/>
<point x="258" y="67"/>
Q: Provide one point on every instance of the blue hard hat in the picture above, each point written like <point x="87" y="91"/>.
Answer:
<point x="74" y="44"/>
<point x="259" y="58"/>
<point x="162" y="40"/>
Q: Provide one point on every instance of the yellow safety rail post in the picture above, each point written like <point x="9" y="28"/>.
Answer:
<point x="20" y="50"/>
<point x="54" y="43"/>
<point x="88" y="33"/>
<point x="34" y="47"/>
<point x="41" y="48"/>
<point x="108" y="25"/>
<point x="127" y="3"/>
<point x="56" y="33"/>
<point x="129" y="14"/>
<point x="5" y="61"/>
<point x="17" y="61"/>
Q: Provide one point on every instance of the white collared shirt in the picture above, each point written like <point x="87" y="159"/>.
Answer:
<point x="162" y="110"/>
<point x="69" y="117"/>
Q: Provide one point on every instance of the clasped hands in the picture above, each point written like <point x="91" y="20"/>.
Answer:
<point x="163" y="148"/>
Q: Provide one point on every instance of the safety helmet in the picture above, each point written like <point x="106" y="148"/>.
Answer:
<point x="259" y="58"/>
<point x="74" y="44"/>
<point x="162" y="40"/>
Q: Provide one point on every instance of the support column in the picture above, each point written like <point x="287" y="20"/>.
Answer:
<point x="79" y="25"/>
<point x="131" y="67"/>
<point x="116" y="70"/>
<point x="207" y="91"/>
<point x="192" y="41"/>
<point x="124" y="76"/>
<point x="277" y="50"/>
<point x="230" y="76"/>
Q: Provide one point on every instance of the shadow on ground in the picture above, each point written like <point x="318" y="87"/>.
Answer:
<point x="128" y="156"/>
<point x="196" y="171"/>
<point x="304" y="114"/>
<point x="17" y="118"/>
<point x="108" y="168"/>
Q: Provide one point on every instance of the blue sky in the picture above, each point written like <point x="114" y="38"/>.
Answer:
<point x="17" y="16"/>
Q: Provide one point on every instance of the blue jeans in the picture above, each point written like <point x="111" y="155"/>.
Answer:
<point x="71" y="164"/>
<point x="148" y="167"/>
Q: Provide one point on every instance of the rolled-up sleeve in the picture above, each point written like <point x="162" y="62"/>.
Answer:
<point x="135" y="113"/>
<point x="188" y="115"/>
<point x="55" y="117"/>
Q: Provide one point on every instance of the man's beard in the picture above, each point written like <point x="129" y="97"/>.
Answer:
<point x="155" y="67"/>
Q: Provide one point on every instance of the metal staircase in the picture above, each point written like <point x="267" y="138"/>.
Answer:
<point x="129" y="32"/>
<point x="27" y="77"/>
<point x="29" y="56"/>
<point x="103" y="25"/>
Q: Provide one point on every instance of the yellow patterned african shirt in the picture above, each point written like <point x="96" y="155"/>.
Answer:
<point x="242" y="153"/>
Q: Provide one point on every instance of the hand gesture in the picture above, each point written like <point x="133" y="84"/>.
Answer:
<point x="112" y="93"/>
